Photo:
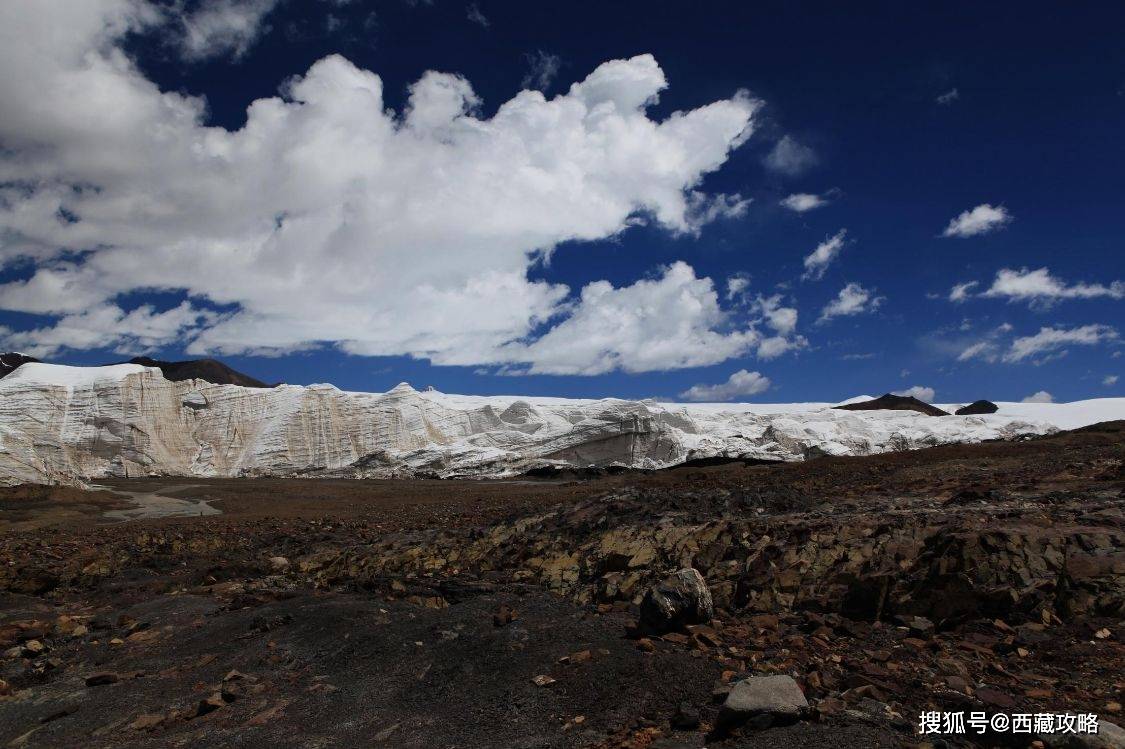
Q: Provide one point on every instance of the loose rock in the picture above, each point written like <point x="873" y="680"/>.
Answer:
<point x="102" y="678"/>
<point x="146" y="722"/>
<point x="679" y="600"/>
<point x="209" y="704"/>
<point x="777" y="698"/>
<point x="504" y="616"/>
<point x="686" y="717"/>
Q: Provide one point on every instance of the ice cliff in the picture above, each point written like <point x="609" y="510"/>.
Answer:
<point x="69" y="424"/>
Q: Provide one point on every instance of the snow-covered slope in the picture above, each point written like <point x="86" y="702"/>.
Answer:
<point x="74" y="423"/>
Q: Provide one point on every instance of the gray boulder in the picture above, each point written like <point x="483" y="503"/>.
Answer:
<point x="763" y="700"/>
<point x="1109" y="736"/>
<point x="680" y="599"/>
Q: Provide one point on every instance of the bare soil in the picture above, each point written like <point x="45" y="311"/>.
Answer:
<point x="502" y="614"/>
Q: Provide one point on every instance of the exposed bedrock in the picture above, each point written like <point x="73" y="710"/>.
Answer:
<point x="913" y="559"/>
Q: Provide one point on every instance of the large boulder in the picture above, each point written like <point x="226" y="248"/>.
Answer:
<point x="680" y="599"/>
<point x="765" y="700"/>
<point x="977" y="408"/>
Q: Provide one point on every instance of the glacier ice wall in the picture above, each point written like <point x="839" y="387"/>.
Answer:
<point x="70" y="424"/>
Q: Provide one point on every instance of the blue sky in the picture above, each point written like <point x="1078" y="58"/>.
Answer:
<point x="901" y="119"/>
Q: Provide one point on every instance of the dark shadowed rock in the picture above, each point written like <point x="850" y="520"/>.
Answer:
<point x="102" y="678"/>
<point x="978" y="407"/>
<point x="686" y="717"/>
<point x="232" y="691"/>
<point x="208" y="370"/>
<point x="680" y="599"/>
<point x="9" y="361"/>
<point x="209" y="705"/>
<point x="890" y="402"/>
<point x="504" y="616"/>
<point x="768" y="700"/>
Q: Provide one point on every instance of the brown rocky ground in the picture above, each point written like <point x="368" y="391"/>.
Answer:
<point x="31" y="506"/>
<point x="502" y="614"/>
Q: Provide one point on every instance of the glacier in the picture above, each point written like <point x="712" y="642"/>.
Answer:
<point x="62" y="424"/>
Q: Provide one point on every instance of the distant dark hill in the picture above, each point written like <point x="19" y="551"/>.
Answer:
<point x="891" y="402"/>
<point x="977" y="407"/>
<point x="9" y="361"/>
<point x="200" y="369"/>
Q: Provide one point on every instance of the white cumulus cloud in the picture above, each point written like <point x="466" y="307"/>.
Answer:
<point x="949" y="96"/>
<point x="670" y="322"/>
<point x="853" y="299"/>
<point x="985" y="349"/>
<point x="773" y="313"/>
<point x="542" y="69"/>
<point x="962" y="291"/>
<point x="219" y="27"/>
<point x="1041" y="397"/>
<point x="107" y="325"/>
<point x="790" y="158"/>
<point x="474" y="14"/>
<point x="1109" y="380"/>
<point x="741" y="384"/>
<point x="1041" y="288"/>
<point x="779" y="317"/>
<point x="983" y="219"/>
<point x="737" y="285"/>
<point x="801" y="202"/>
<point x="328" y="219"/>
<point x="820" y="258"/>
<point x="1050" y="340"/>
<point x="920" y="392"/>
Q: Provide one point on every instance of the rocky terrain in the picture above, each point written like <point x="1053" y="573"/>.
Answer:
<point x="73" y="425"/>
<point x="823" y="603"/>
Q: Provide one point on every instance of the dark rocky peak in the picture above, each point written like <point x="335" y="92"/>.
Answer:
<point x="977" y="407"/>
<point x="209" y="370"/>
<point x="12" y="359"/>
<point x="891" y="402"/>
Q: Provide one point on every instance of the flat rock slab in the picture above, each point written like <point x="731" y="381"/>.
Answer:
<point x="777" y="697"/>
